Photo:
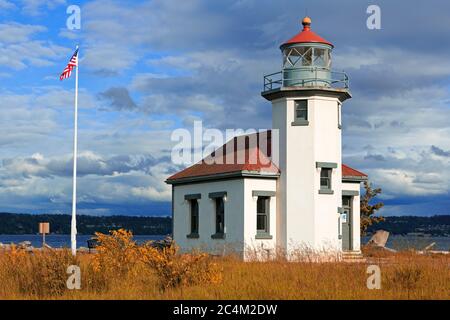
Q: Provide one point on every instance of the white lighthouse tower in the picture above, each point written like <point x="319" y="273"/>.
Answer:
<point x="306" y="101"/>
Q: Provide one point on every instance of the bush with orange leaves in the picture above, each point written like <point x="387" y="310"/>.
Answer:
<point x="174" y="269"/>
<point x="118" y="256"/>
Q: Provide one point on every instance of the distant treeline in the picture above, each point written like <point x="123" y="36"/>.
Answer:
<point x="435" y="225"/>
<point x="87" y="225"/>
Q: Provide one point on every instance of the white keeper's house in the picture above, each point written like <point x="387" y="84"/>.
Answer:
<point x="298" y="193"/>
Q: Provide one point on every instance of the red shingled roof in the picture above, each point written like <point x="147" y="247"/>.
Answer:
<point x="350" y="172"/>
<point x="307" y="36"/>
<point x="237" y="155"/>
<point x="243" y="154"/>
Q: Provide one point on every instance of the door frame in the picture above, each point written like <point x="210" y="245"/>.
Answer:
<point x="349" y="222"/>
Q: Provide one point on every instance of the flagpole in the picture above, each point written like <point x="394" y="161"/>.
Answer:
<point x="75" y="152"/>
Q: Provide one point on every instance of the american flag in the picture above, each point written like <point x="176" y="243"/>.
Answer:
<point x="72" y="64"/>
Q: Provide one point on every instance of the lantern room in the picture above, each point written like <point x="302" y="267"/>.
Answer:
<point x="306" y="63"/>
<point x="307" y="59"/>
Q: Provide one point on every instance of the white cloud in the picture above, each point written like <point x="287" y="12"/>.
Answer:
<point x="6" y="5"/>
<point x="16" y="32"/>
<point x="109" y="58"/>
<point x="36" y="7"/>
<point x="19" y="50"/>
<point x="406" y="62"/>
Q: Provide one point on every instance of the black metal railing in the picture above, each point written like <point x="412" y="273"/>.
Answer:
<point x="306" y="77"/>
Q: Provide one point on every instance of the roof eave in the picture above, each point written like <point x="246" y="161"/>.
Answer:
<point x="354" y="178"/>
<point x="287" y="44"/>
<point x="224" y="176"/>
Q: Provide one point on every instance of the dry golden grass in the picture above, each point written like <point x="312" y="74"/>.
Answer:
<point x="123" y="270"/>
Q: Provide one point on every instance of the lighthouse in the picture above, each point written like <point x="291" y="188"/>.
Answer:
<point x="307" y="98"/>
<point x="303" y="197"/>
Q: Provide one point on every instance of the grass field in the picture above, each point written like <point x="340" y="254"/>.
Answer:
<point x="123" y="270"/>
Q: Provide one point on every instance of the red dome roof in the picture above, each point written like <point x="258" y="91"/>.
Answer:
<point x="306" y="35"/>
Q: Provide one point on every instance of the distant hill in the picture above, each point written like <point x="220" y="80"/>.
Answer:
<point x="435" y="225"/>
<point x="60" y="224"/>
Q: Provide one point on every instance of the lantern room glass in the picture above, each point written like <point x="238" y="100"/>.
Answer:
<point x="307" y="65"/>
<point x="305" y="56"/>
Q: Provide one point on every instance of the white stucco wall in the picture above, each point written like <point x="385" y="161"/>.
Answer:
<point x="234" y="217"/>
<point x="259" y="248"/>
<point x="308" y="218"/>
<point x="240" y="217"/>
<point x="327" y="148"/>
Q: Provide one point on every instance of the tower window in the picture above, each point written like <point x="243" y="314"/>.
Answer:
<point x="262" y="215"/>
<point x="301" y="110"/>
<point x="325" y="179"/>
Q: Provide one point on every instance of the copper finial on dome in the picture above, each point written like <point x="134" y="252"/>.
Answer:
<point x="306" y="22"/>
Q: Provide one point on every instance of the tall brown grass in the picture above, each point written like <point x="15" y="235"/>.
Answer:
<point x="123" y="270"/>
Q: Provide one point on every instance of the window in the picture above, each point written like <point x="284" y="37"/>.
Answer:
<point x="301" y="110"/>
<point x="262" y="215"/>
<point x="319" y="57"/>
<point x="346" y="201"/>
<point x="220" y="216"/>
<point x="194" y="217"/>
<point x="325" y="178"/>
<point x="307" y="57"/>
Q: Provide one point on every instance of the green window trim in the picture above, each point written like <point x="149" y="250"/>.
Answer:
<point x="193" y="236"/>
<point x="263" y="217"/>
<point x="218" y="236"/>
<point x="301" y="110"/>
<point x="194" y="216"/>
<point x="350" y="193"/>
<point x="195" y="196"/>
<point x="263" y="236"/>
<point x="260" y="193"/>
<point x="214" y="195"/>
<point x="219" y="215"/>
<point x="300" y="123"/>
<point x="326" y="165"/>
<point x="326" y="178"/>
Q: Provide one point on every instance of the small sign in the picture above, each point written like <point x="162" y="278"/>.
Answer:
<point x="44" y="228"/>
<point x="344" y="218"/>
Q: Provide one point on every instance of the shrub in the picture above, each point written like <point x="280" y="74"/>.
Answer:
<point x="38" y="273"/>
<point x="117" y="254"/>
<point x="406" y="277"/>
<point x="174" y="270"/>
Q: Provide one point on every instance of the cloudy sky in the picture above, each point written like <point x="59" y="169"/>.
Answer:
<point x="149" y="67"/>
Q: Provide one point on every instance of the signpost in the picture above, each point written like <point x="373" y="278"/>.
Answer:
<point x="44" y="228"/>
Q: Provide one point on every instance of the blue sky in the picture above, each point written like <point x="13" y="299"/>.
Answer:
<point x="149" y="67"/>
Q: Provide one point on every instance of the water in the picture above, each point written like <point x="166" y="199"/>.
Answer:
<point x="399" y="242"/>
<point x="63" y="240"/>
<point x="60" y="241"/>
